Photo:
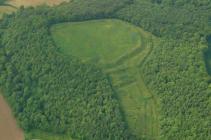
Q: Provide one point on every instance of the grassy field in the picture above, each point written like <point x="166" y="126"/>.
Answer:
<point x="119" y="49"/>
<point x="85" y="39"/>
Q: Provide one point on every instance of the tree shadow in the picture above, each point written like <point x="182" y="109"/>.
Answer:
<point x="207" y="55"/>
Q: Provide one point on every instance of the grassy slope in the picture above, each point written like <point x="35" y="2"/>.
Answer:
<point x="119" y="48"/>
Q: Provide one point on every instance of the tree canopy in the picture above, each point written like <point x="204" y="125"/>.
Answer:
<point x="48" y="92"/>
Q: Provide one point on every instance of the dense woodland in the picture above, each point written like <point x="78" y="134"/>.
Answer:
<point x="2" y="1"/>
<point x="49" y="92"/>
<point x="176" y="68"/>
<point x="58" y="95"/>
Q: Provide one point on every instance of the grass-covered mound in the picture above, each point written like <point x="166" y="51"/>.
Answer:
<point x="119" y="48"/>
<point x="102" y="41"/>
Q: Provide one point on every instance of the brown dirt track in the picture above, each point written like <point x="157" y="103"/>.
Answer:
<point x="8" y="126"/>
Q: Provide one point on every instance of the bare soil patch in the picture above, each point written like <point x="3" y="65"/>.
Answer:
<point x="8" y="126"/>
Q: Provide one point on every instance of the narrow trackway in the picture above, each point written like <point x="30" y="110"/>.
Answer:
<point x="8" y="126"/>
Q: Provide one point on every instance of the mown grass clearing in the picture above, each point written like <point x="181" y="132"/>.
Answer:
<point x="96" y="39"/>
<point x="119" y="49"/>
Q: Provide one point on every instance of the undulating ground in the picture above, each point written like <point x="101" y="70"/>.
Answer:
<point x="8" y="126"/>
<point x="119" y="48"/>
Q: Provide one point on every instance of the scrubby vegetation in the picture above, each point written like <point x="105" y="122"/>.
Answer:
<point x="58" y="95"/>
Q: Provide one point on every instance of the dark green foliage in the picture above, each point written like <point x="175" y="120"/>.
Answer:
<point x="2" y="2"/>
<point x="186" y="22"/>
<point x="176" y="72"/>
<point x="48" y="92"/>
<point x="80" y="10"/>
<point x="207" y="55"/>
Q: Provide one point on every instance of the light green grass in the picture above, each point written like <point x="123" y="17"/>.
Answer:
<point x="119" y="48"/>
<point x="96" y="39"/>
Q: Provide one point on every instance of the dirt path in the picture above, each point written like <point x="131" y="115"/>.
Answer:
<point x="8" y="127"/>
